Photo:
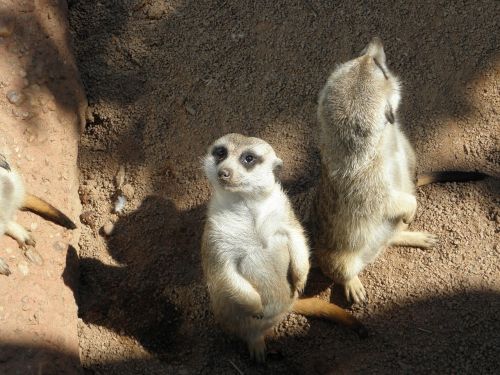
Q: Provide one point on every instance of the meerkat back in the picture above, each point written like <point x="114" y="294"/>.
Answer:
<point x="366" y="191"/>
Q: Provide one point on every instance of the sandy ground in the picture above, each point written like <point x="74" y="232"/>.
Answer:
<point x="165" y="78"/>
<point x="42" y="108"/>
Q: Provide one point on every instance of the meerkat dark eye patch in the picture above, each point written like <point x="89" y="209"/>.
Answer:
<point x="219" y="153"/>
<point x="381" y="68"/>
<point x="248" y="159"/>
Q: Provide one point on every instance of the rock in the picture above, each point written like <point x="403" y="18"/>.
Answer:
<point x="190" y="109"/>
<point x="107" y="228"/>
<point x="120" y="177"/>
<point x="120" y="203"/>
<point x="89" y="218"/>
<point x="59" y="246"/>
<point x="23" y="268"/>
<point x="15" y="97"/>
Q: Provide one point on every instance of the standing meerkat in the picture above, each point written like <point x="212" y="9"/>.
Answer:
<point x="13" y="197"/>
<point x="255" y="255"/>
<point x="366" y="195"/>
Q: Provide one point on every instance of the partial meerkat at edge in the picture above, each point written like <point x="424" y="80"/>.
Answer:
<point x="366" y="195"/>
<point x="255" y="255"/>
<point x="13" y="197"/>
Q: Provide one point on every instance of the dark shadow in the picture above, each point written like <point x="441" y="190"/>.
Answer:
<point x="186" y="70"/>
<point x="39" y="45"/>
<point x="28" y="359"/>
<point x="450" y="334"/>
<point x="158" y="269"/>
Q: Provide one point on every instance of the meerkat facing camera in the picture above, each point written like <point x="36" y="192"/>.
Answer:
<point x="13" y="197"/>
<point x="366" y="195"/>
<point x="255" y="255"/>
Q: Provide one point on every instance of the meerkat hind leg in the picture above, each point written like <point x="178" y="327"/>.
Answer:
<point x="20" y="234"/>
<point x="414" y="239"/>
<point x="354" y="290"/>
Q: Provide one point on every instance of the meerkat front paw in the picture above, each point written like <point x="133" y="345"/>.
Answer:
<point x="410" y="210"/>
<point x="403" y="206"/>
<point x="355" y="291"/>
<point x="298" y="282"/>
<point x="257" y="349"/>
<point x="426" y="240"/>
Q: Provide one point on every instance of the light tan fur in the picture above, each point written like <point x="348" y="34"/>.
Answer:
<point x="254" y="252"/>
<point x="13" y="197"/>
<point x="366" y="196"/>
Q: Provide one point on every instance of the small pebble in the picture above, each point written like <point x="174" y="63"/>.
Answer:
<point x="120" y="204"/>
<point x="89" y="218"/>
<point x="107" y="228"/>
<point x="15" y="97"/>
<point x="190" y="109"/>
<point x="23" y="268"/>
<point x="120" y="177"/>
<point x="59" y="246"/>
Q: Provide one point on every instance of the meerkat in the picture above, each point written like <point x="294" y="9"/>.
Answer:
<point x="255" y="255"/>
<point x="13" y="197"/>
<point x="366" y="194"/>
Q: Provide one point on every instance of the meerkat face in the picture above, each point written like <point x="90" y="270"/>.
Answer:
<point x="240" y="164"/>
<point x="373" y="56"/>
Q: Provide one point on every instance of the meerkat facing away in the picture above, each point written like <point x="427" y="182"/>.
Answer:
<point x="13" y="197"/>
<point x="366" y="195"/>
<point x="255" y="255"/>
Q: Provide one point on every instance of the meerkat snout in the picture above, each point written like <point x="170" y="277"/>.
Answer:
<point x="224" y="174"/>
<point x="375" y="49"/>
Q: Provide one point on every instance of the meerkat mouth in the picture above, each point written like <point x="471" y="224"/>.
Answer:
<point x="229" y="185"/>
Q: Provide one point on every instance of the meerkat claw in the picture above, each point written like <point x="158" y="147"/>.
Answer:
<point x="4" y="268"/>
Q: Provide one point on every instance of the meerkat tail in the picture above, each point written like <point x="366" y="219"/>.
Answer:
<point x="47" y="211"/>
<point x="315" y="307"/>
<point x="449" y="176"/>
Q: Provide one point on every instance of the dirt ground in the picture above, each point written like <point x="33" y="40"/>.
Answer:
<point x="166" y="78"/>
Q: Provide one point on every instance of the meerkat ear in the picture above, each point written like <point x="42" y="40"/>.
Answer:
<point x="277" y="167"/>
<point x="375" y="49"/>
<point x="389" y="113"/>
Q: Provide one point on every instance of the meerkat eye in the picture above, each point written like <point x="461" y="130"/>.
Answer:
<point x="248" y="158"/>
<point x="219" y="153"/>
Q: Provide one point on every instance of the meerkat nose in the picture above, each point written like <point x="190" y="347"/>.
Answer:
<point x="224" y="174"/>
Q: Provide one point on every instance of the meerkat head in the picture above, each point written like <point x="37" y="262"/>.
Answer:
<point x="240" y="164"/>
<point x="363" y="89"/>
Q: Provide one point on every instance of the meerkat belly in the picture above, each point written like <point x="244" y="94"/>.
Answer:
<point x="399" y="160"/>
<point x="11" y="194"/>
<point x="361" y="230"/>
<point x="267" y="270"/>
